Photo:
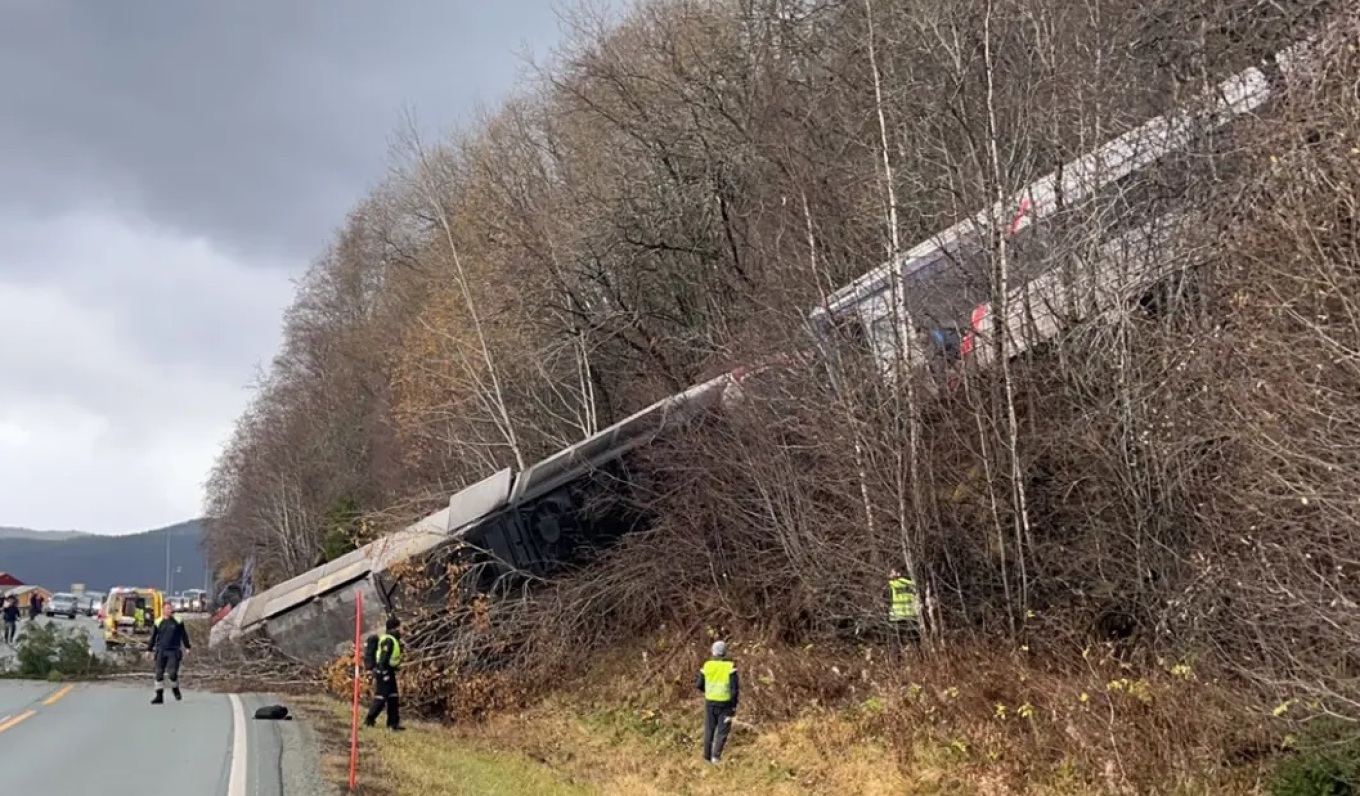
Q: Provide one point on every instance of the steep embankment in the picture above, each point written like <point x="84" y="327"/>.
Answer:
<point x="1137" y="541"/>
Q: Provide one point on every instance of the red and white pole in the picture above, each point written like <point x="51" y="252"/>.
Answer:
<point x="358" y="675"/>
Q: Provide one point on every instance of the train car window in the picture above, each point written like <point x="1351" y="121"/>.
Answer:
<point x="848" y="330"/>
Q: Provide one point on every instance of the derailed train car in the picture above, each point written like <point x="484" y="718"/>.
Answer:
<point x="552" y="514"/>
<point x="534" y="523"/>
<point x="931" y="304"/>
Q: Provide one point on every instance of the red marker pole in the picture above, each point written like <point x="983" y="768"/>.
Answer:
<point x="358" y="672"/>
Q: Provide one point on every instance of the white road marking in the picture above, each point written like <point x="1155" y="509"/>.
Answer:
<point x="236" y="785"/>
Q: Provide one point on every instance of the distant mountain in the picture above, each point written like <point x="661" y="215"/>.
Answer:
<point x="48" y="536"/>
<point x="57" y="559"/>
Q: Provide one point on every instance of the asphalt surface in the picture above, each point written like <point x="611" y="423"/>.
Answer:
<point x="106" y="738"/>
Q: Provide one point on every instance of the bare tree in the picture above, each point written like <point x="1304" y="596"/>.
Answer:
<point x="432" y="180"/>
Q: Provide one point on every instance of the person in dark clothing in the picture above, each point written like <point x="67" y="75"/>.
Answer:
<point x="386" y="665"/>
<point x="721" y="687"/>
<point x="35" y="604"/>
<point x="168" y="643"/>
<point x="11" y="616"/>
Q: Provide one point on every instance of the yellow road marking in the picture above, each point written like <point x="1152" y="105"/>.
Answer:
<point x="21" y="717"/>
<point x="9" y="722"/>
<point x="61" y="693"/>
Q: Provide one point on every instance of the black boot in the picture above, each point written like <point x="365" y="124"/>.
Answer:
<point x="159" y="698"/>
<point x="178" y="695"/>
<point x="374" y="711"/>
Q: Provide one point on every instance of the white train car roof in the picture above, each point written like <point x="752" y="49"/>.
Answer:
<point x="620" y="438"/>
<point x="1143" y="145"/>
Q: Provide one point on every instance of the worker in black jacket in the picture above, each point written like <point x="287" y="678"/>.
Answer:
<point x="386" y="664"/>
<point x="168" y="643"/>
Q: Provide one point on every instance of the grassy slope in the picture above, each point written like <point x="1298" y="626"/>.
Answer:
<point x="636" y="734"/>
<point x="425" y="761"/>
<point x="551" y="751"/>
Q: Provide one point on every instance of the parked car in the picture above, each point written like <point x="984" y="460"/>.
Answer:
<point x="63" y="604"/>
<point x="93" y="601"/>
<point x="195" y="600"/>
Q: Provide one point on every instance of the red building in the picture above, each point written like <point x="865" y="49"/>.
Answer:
<point x="8" y="581"/>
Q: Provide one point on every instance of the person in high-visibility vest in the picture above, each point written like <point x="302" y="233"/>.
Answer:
<point x="903" y="610"/>
<point x="721" y="687"/>
<point x="386" y="664"/>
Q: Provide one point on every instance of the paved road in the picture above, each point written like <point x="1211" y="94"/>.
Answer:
<point x="103" y="738"/>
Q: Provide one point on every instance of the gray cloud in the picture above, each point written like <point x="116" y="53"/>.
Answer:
<point x="166" y="168"/>
<point x="254" y="122"/>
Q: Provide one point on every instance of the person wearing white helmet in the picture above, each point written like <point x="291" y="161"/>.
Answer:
<point x="721" y="687"/>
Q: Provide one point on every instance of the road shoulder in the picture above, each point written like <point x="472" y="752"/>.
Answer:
<point x="283" y="755"/>
<point x="301" y="759"/>
<point x="427" y="760"/>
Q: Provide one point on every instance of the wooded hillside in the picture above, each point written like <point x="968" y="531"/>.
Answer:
<point x="671" y="196"/>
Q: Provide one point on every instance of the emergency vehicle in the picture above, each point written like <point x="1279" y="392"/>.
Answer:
<point x="129" y="612"/>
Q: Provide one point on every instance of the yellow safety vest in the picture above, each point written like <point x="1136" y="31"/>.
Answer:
<point x="718" y="680"/>
<point x="903" y="599"/>
<point x="394" y="659"/>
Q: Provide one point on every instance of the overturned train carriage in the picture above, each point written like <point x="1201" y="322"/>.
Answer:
<point x="509" y="525"/>
<point x="932" y="302"/>
<point x="555" y="512"/>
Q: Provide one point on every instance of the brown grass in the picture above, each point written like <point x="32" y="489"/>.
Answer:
<point x="827" y="721"/>
<point x="424" y="761"/>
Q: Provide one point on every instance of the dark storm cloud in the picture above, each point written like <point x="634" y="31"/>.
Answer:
<point x="254" y="123"/>
<point x="166" y="166"/>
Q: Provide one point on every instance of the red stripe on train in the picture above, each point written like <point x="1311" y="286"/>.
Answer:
<point x="974" y="323"/>
<point x="1019" y="216"/>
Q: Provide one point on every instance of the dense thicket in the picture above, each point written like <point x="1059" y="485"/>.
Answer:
<point x="675" y="191"/>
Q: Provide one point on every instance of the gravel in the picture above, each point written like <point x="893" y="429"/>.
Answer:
<point x="302" y="759"/>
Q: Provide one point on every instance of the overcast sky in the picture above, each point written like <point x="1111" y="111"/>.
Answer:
<point x="166" y="168"/>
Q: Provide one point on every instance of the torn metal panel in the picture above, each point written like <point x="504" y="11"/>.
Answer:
<point x="252" y="611"/>
<point x="227" y="627"/>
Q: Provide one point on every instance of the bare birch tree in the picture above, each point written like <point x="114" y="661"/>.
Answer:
<point x="432" y="180"/>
